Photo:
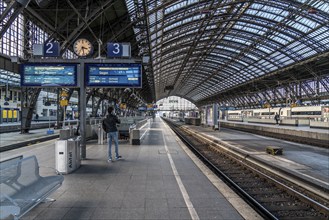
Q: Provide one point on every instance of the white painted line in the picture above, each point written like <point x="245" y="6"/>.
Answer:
<point x="312" y="177"/>
<point x="191" y="209"/>
<point x="145" y="132"/>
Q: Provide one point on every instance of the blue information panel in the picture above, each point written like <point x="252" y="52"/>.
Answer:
<point x="114" y="75"/>
<point x="48" y="74"/>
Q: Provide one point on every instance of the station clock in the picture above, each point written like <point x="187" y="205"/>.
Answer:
<point x="82" y="47"/>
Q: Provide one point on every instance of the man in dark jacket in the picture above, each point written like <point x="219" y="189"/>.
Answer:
<point x="109" y="125"/>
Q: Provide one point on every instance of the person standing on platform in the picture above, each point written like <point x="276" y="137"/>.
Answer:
<point x="109" y="124"/>
<point x="37" y="117"/>
<point x="277" y="118"/>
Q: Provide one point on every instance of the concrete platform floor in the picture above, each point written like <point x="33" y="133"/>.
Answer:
<point x="156" y="180"/>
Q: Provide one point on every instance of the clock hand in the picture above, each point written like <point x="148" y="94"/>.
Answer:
<point x="83" y="49"/>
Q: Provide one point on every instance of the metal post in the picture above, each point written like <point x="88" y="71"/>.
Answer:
<point x="83" y="112"/>
<point x="99" y="135"/>
<point x="215" y="115"/>
<point x="58" y="119"/>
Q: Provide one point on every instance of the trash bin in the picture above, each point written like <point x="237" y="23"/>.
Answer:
<point x="135" y="137"/>
<point x="67" y="155"/>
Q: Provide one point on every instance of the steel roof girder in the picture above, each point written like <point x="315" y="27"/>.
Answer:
<point x="86" y="24"/>
<point x="5" y="24"/>
<point x="325" y="83"/>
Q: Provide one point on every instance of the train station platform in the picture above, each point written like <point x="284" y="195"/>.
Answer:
<point x="307" y="162"/>
<point x="159" y="179"/>
<point x="15" y="139"/>
<point x="305" y="134"/>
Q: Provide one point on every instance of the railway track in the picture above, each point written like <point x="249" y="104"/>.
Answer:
<point x="271" y="195"/>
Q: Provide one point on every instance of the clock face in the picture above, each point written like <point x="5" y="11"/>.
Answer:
<point x="82" y="47"/>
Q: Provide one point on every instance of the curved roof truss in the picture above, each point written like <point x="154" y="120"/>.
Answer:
<point x="202" y="48"/>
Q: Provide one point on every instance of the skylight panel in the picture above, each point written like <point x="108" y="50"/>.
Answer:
<point x="180" y="5"/>
<point x="249" y="28"/>
<point x="264" y="48"/>
<point x="308" y="22"/>
<point x="296" y="49"/>
<point x="286" y="61"/>
<point x="321" y="36"/>
<point x="309" y="53"/>
<point x="254" y="30"/>
<point x="204" y="38"/>
<point x="239" y="40"/>
<point x="227" y="49"/>
<point x="262" y="9"/>
<point x="172" y="26"/>
<point x="251" y="56"/>
<point x="282" y="39"/>
<point x="281" y="56"/>
<point x="323" y="6"/>
<point x="300" y="27"/>
<point x="175" y="7"/>
<point x="243" y="63"/>
<point x="265" y="64"/>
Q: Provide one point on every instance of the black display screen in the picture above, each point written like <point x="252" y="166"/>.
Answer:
<point x="48" y="74"/>
<point x="114" y="75"/>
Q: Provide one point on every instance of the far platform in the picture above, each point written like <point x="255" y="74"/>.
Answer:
<point x="307" y="161"/>
<point x="305" y="134"/>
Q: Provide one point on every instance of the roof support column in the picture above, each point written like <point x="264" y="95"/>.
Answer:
<point x="215" y="115"/>
<point x="83" y="112"/>
<point x="29" y="98"/>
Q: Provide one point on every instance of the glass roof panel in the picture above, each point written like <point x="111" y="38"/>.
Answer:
<point x="233" y="42"/>
<point x="180" y="5"/>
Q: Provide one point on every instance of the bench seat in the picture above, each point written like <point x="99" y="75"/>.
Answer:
<point x="22" y="188"/>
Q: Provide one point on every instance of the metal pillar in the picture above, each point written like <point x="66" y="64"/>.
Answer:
<point x="82" y="111"/>
<point x="29" y="98"/>
<point x="215" y="115"/>
<point x="59" y="111"/>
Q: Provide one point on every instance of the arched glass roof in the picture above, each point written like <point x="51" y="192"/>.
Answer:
<point x="202" y="48"/>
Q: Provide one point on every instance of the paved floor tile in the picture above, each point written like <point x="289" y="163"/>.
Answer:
<point x="157" y="213"/>
<point x="142" y="186"/>
<point x="79" y="213"/>
<point x="179" y="214"/>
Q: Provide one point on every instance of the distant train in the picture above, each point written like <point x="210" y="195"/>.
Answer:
<point x="302" y="112"/>
<point x="46" y="107"/>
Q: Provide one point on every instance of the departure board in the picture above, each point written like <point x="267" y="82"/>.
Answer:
<point x="48" y="74"/>
<point x="127" y="75"/>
